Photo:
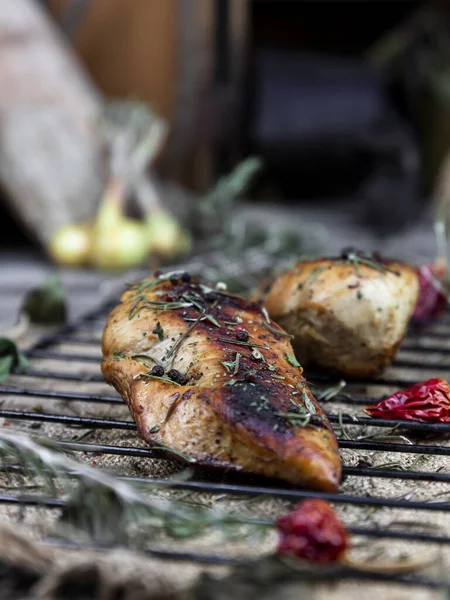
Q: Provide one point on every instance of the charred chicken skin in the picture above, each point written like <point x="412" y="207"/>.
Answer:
<point x="207" y="374"/>
<point x="348" y="315"/>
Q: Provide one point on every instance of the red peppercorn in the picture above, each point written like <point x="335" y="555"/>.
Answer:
<point x="313" y="531"/>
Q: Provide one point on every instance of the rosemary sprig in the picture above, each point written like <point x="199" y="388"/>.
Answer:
<point x="171" y="408"/>
<point x="356" y="259"/>
<point x="238" y="343"/>
<point x="315" y="274"/>
<point x="296" y="418"/>
<point x="174" y="349"/>
<point x="331" y="391"/>
<point x="276" y="331"/>
<point x="150" y="376"/>
<point x="107" y="508"/>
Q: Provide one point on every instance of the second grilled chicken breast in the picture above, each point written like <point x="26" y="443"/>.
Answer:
<point x="348" y="315"/>
<point x="207" y="374"/>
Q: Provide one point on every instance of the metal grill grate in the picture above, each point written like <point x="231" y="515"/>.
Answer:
<point x="425" y="353"/>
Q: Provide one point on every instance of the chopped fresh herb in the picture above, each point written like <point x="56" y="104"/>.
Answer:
<point x="257" y="355"/>
<point x="315" y="274"/>
<point x="213" y="320"/>
<point x="230" y="382"/>
<point x="278" y="376"/>
<point x="154" y="429"/>
<point x="117" y="354"/>
<point x="359" y="294"/>
<point x="292" y="360"/>
<point x="159" y="331"/>
<point x="232" y="366"/>
<point x="271" y="367"/>
<point x="266" y="314"/>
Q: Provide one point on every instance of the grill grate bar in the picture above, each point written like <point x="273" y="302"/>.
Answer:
<point x="157" y="453"/>
<point x="220" y="488"/>
<point x="344" y="419"/>
<point x="286" y="494"/>
<point x="40" y="353"/>
<point x="312" y="377"/>
<point x="332" y="574"/>
<point x="92" y="423"/>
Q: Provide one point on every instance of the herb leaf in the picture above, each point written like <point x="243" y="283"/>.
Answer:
<point x="117" y="354"/>
<point x="276" y="331"/>
<point x="292" y="360"/>
<point x="11" y="358"/>
<point x="159" y="331"/>
<point x="46" y="303"/>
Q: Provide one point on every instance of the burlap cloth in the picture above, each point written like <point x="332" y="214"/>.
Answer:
<point x="48" y="572"/>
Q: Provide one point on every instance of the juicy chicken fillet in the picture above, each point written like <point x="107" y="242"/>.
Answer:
<point x="232" y="394"/>
<point x="346" y="316"/>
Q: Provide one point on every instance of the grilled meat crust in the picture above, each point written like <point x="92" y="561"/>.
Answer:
<point x="347" y="318"/>
<point x="232" y="411"/>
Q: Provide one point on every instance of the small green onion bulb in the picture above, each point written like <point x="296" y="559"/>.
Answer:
<point x="70" y="244"/>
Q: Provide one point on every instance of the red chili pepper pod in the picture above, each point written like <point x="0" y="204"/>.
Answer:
<point x="432" y="301"/>
<point x="314" y="532"/>
<point x="428" y="402"/>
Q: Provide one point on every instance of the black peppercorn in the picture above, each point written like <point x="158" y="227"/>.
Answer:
<point x="157" y="273"/>
<point x="210" y="296"/>
<point x="157" y="370"/>
<point x="174" y="375"/>
<point x="186" y="277"/>
<point x="242" y="335"/>
<point x="183" y="379"/>
<point x="316" y="420"/>
<point x="174" y="280"/>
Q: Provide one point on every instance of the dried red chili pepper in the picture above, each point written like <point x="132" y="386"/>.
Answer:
<point x="312" y="531"/>
<point x="432" y="301"/>
<point x="428" y="402"/>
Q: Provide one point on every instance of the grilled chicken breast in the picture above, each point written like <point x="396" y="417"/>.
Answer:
<point x="348" y="315"/>
<point x="206" y="374"/>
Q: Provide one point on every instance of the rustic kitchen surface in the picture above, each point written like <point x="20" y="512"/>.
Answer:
<point x="209" y="146"/>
